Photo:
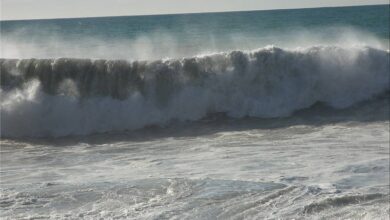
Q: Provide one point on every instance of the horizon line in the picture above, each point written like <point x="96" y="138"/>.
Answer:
<point x="188" y="13"/>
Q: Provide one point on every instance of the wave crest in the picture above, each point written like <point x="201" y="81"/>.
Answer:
<point x="57" y="97"/>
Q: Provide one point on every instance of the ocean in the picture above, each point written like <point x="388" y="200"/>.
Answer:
<point x="280" y="114"/>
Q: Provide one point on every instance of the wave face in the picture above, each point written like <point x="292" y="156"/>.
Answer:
<point x="58" y="97"/>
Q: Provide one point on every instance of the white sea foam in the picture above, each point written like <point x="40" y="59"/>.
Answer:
<point x="57" y="97"/>
<point x="232" y="171"/>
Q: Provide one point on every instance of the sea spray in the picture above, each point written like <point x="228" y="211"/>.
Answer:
<point x="56" y="97"/>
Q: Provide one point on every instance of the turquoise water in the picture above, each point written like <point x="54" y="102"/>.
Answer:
<point x="161" y="36"/>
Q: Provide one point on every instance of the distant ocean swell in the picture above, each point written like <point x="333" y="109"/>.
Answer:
<point x="59" y="97"/>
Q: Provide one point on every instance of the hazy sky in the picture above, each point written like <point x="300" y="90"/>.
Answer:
<point x="32" y="9"/>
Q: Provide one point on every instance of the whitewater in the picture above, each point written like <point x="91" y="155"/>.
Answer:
<point x="272" y="115"/>
<point x="58" y="97"/>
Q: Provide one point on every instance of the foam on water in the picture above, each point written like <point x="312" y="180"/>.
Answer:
<point x="294" y="131"/>
<point x="57" y="97"/>
<point x="231" y="171"/>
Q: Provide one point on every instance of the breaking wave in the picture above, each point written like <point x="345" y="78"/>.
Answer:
<point x="58" y="97"/>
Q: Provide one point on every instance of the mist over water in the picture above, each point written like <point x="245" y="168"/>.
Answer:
<point x="82" y="76"/>
<point x="245" y="115"/>
<point x="56" y="97"/>
<point x="161" y="44"/>
<point x="177" y="36"/>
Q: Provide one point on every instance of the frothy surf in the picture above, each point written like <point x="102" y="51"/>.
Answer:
<point x="181" y="117"/>
<point x="59" y="97"/>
